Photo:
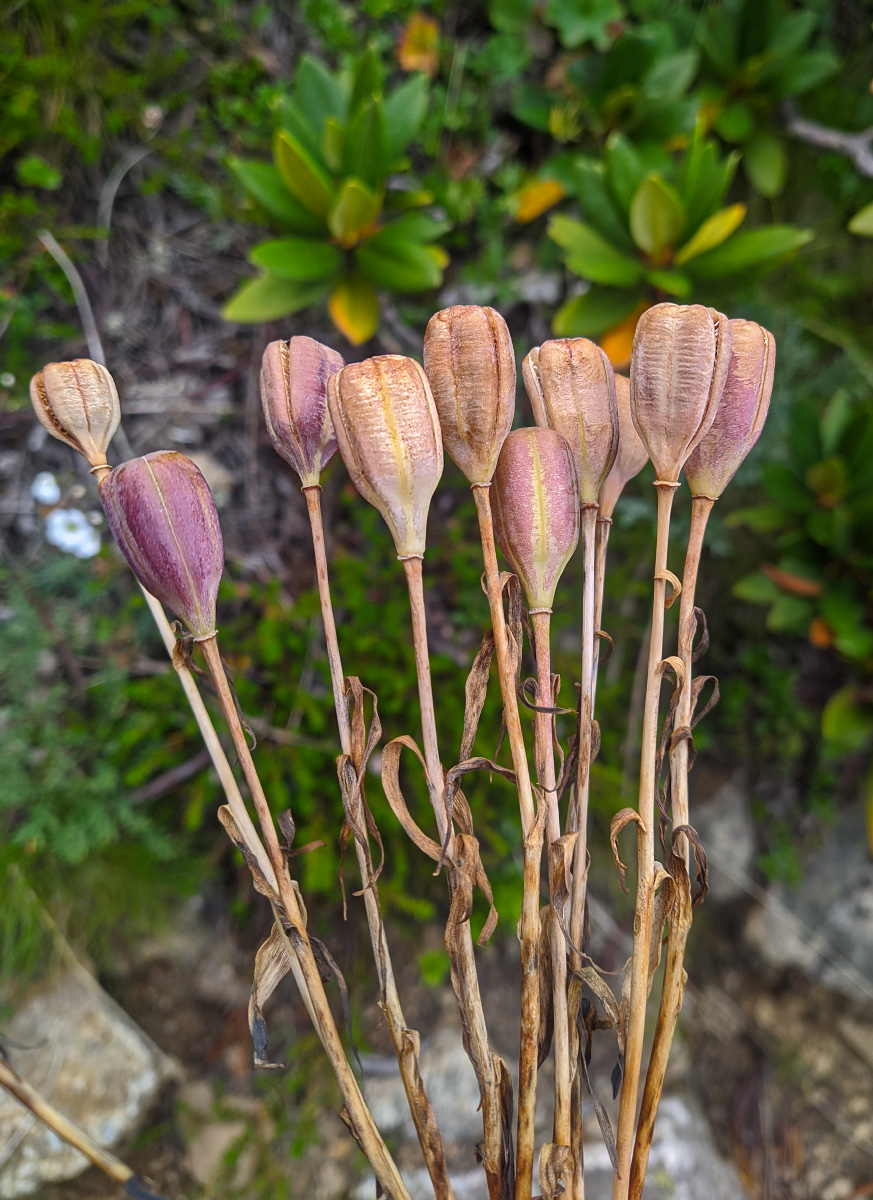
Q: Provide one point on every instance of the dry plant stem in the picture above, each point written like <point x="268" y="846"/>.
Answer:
<point x="470" y="997"/>
<point x="58" y="1123"/>
<point x="544" y="724"/>
<point x="601" y="543"/>
<point x="388" y="986"/>
<point x="370" y="1139"/>
<point x="673" y="987"/>
<point x="639" y="966"/>
<point x="533" y="844"/>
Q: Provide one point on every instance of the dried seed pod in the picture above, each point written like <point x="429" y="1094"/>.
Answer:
<point x="162" y="516"/>
<point x="294" y="377"/>
<point x="572" y="390"/>
<point x="389" y="437"/>
<point x="78" y="404"/>
<point x="470" y="362"/>
<point x="741" y="413"/>
<point x="632" y="455"/>
<point x="536" y="510"/>
<point x="678" y="369"/>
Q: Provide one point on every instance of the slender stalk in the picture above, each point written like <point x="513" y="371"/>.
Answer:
<point x="604" y="525"/>
<point x="370" y="1139"/>
<point x="544" y="724"/>
<point x="533" y="847"/>
<point x="673" y="987"/>
<point x="469" y="997"/>
<point x="429" y="1137"/>
<point x="639" y="966"/>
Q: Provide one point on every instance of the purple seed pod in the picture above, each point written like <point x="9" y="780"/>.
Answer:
<point x="741" y="413"/>
<point x="572" y="390"/>
<point x="470" y="362"/>
<point x="678" y="369"/>
<point x="536" y="510"/>
<point x="78" y="404"/>
<point x="632" y="455"/>
<point x="294" y="377"/>
<point x="162" y="516"/>
<point x="389" y="437"/>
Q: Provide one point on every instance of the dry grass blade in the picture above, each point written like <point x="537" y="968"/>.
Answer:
<point x="271" y="966"/>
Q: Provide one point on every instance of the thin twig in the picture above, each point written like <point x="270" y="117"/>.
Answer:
<point x="856" y="146"/>
<point x="83" y="304"/>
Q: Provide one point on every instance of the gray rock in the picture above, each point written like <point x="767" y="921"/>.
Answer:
<point x="825" y="927"/>
<point x="89" y="1060"/>
<point x="727" y="833"/>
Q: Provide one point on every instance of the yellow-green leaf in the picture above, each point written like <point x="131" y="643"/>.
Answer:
<point x="353" y="212"/>
<point x="657" y="217"/>
<point x="714" y="230"/>
<point x="268" y="298"/>
<point x="592" y="256"/>
<point x="354" y="308"/>
<point x="301" y="175"/>
<point x="862" y="222"/>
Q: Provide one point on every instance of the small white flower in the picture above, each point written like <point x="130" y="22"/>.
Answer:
<point x="7" y="379"/>
<point x="45" y="489"/>
<point x="70" y="530"/>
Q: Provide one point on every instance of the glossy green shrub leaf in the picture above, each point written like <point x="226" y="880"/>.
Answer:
<point x="401" y="266"/>
<point x="704" y="179"/>
<point x="364" y="149"/>
<point x="657" y="217"/>
<point x="594" y="313"/>
<point x="714" y="230"/>
<point x="354" y="308"/>
<point x="590" y="255"/>
<point x="368" y="82"/>
<point x="847" y="617"/>
<point x="294" y="121"/>
<point x="792" y="33"/>
<point x="756" y="588"/>
<point x="735" y="123"/>
<point x="762" y="518"/>
<point x="318" y="93"/>
<point x="765" y="162"/>
<point x="333" y="139"/>
<point x="301" y="174"/>
<point x="403" y="112"/>
<point x="297" y="258"/>
<point x="674" y="283"/>
<point x="586" y="21"/>
<point x="353" y="212"/>
<point x="806" y="71"/>
<point x="264" y="184"/>
<point x="588" y="180"/>
<point x="669" y="77"/>
<point x="785" y="488"/>
<point x="862" y="222"/>
<point x="413" y="227"/>
<point x="847" y="723"/>
<point x="268" y="298"/>
<point x="751" y="249"/>
<point x="790" y="614"/>
<point x="625" y="169"/>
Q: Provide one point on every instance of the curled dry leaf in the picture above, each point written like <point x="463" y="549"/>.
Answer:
<point x="572" y="390"/>
<point x="162" y="516"/>
<point x="631" y="456"/>
<point x="678" y="369"/>
<point x="272" y="964"/>
<point x="620" y="821"/>
<point x="78" y="404"/>
<point x="469" y="359"/>
<point x="741" y="413"/>
<point x="389" y="437"/>
<point x="294" y="377"/>
<point x="555" y="1168"/>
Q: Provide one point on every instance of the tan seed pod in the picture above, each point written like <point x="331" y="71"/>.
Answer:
<point x="470" y="362"/>
<point x="388" y="432"/>
<point x="78" y="404"/>
<point x="536" y="510"/>
<point x="741" y="413"/>
<point x="294" y="377"/>
<point x="572" y="390"/>
<point x="678" y="369"/>
<point x="631" y="456"/>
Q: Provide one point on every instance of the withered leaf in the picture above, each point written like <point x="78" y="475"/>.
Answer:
<point x="620" y="821"/>
<point x="475" y="690"/>
<point x="555" y="1166"/>
<point x="699" y="617"/>
<point x="137" y="1190"/>
<point x="227" y="819"/>
<point x="272" y="964"/>
<point x="544" y="966"/>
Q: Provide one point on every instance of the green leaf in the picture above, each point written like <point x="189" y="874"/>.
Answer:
<point x="403" y="112"/>
<point x="762" y="518"/>
<point x="803" y="73"/>
<point x="401" y="266"/>
<point x="318" y="93"/>
<point x="669" y="77"/>
<point x="588" y="180"/>
<point x="783" y="486"/>
<point x="368" y="81"/>
<point x="756" y="588"/>
<point x="297" y="258"/>
<point x="674" y="283"/>
<point x="333" y="139"/>
<point x="34" y="171"/>
<point x="581" y="21"/>
<point x="411" y="227"/>
<point x="353" y="212"/>
<point x="625" y="170"/>
<point x="301" y="174"/>
<point x="594" y="313"/>
<point x="862" y="222"/>
<point x="790" y="614"/>
<point x="751" y="250"/>
<point x="364" y="150"/>
<point x="264" y="184"/>
<point x="268" y="298"/>
<point x="792" y="33"/>
<point x="765" y="162"/>
<point x="293" y="119"/>
<point x="590" y="255"/>
<point x="845" y="723"/>
<point x="735" y="123"/>
<point x="657" y="217"/>
<point x="354" y="309"/>
<point x="714" y="230"/>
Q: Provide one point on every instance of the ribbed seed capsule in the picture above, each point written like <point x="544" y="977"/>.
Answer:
<point x="631" y="456"/>
<point x="536" y="510"/>
<point x="78" y="404"/>
<point x="741" y="413"/>
<point x="678" y="369"/>
<point x="470" y="362"/>
<point x="162" y="516"/>
<point x="294" y="377"/>
<point x="389" y="437"/>
<point x="572" y="390"/>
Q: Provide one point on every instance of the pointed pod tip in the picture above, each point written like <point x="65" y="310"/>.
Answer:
<point x="294" y="377"/>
